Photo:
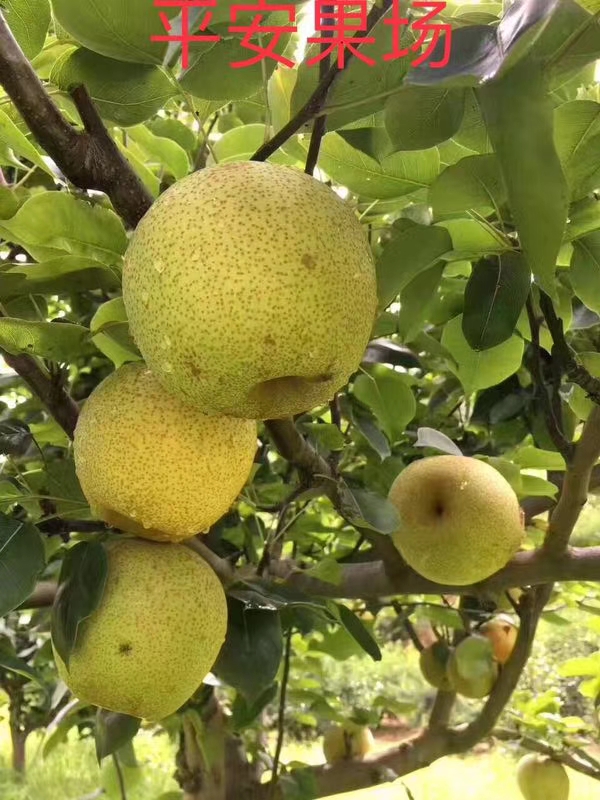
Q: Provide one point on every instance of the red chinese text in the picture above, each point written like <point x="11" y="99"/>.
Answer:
<point x="257" y="29"/>
<point x="340" y="20"/>
<point x="426" y="27"/>
<point x="185" y="37"/>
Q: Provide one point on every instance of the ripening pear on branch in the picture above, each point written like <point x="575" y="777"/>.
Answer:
<point x="155" y="635"/>
<point x="349" y="741"/>
<point x="460" y="519"/>
<point x="153" y="466"/>
<point x="541" y="778"/>
<point x="250" y="290"/>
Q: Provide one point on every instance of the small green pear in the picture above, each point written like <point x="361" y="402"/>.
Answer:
<point x="472" y="668"/>
<point x="349" y="741"/>
<point x="433" y="662"/>
<point x="542" y="778"/>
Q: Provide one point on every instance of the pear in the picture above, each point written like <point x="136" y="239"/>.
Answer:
<point x="150" y="465"/>
<point x="460" y="519"/>
<point x="472" y="669"/>
<point x="433" y="661"/>
<point x="250" y="290"/>
<point x="502" y="631"/>
<point x="349" y="741"/>
<point x="541" y="778"/>
<point x="155" y="635"/>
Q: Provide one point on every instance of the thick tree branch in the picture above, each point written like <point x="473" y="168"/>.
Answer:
<point x="369" y="580"/>
<point x="48" y="388"/>
<point x="575" y="486"/>
<point x="90" y="159"/>
<point x="316" y="101"/>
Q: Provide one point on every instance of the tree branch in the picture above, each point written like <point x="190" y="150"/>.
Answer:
<point x="316" y="101"/>
<point x="571" y="760"/>
<point x="575" y="486"/>
<point x="89" y="159"/>
<point x="48" y="388"/>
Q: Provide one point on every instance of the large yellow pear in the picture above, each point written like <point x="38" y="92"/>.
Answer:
<point x="541" y="778"/>
<point x="250" y="290"/>
<point x="460" y="520"/>
<point x="151" y="465"/>
<point x="156" y="634"/>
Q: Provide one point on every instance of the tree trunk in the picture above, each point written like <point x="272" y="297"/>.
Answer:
<point x="18" y="740"/>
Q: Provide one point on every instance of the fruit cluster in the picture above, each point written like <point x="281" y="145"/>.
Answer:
<point x="251" y="294"/>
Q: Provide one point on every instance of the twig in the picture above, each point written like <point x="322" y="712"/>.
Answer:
<point x="568" y="759"/>
<point x="441" y="711"/>
<point x="316" y="101"/>
<point x="281" y="713"/>
<point x="552" y="414"/>
<point x="320" y="123"/>
<point x="122" y="790"/>
<point x="89" y="159"/>
<point x="561" y="351"/>
<point x="222" y="567"/>
<point x="575" y="487"/>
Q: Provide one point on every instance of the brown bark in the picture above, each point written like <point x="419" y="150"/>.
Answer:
<point x="18" y="739"/>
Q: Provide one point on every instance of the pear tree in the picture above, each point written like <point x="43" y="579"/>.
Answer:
<point x="299" y="352"/>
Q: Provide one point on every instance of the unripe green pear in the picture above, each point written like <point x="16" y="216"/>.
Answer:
<point x="349" y="741"/>
<point x="541" y="778"/>
<point x="472" y="668"/>
<point x="433" y="661"/>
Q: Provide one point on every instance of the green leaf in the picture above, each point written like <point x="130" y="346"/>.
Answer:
<point x="472" y="239"/>
<point x="480" y="369"/>
<point x="580" y="667"/>
<point x="62" y="275"/>
<point x="578" y="399"/>
<point x="577" y="138"/>
<point x="327" y="436"/>
<point x="396" y="175"/>
<point x="109" y="329"/>
<point x="239" y="144"/>
<point x="250" y="658"/>
<point x="535" y="458"/>
<point x="243" y="714"/>
<point x="569" y="23"/>
<point x="366" y="509"/>
<point x="365" y="425"/>
<point x="135" y="160"/>
<point x="413" y="249"/>
<point x="81" y="587"/>
<point x="533" y="486"/>
<point x="327" y="570"/>
<point x="360" y="81"/>
<point x="494" y="298"/>
<point x="176" y="131"/>
<point x="211" y="76"/>
<point x="416" y="299"/>
<point x="482" y="53"/>
<point x="125" y="94"/>
<point x="116" y="29"/>
<point x="429" y="437"/>
<point x="417" y="118"/>
<point x="161" y="152"/>
<point x="519" y="117"/>
<point x="12" y="137"/>
<point x="113" y="731"/>
<point x="388" y="394"/>
<point x="56" y="341"/>
<point x="10" y="661"/>
<point x="357" y="630"/>
<point x="585" y="270"/>
<point x="474" y="182"/>
<point x="50" y="224"/>
<point x="22" y="559"/>
<point x="29" y="21"/>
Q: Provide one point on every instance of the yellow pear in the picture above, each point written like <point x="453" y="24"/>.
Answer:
<point x="502" y="631"/>
<point x="541" y="778"/>
<point x="155" y="635"/>
<point x="349" y="741"/>
<point x="250" y="290"/>
<point x="460" y="519"/>
<point x="153" y="466"/>
<point x="433" y="661"/>
<point x="472" y="670"/>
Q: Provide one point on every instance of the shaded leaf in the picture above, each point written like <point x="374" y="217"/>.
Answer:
<point x="585" y="270"/>
<point x="10" y="661"/>
<point x="519" y="118"/>
<point x="15" y="437"/>
<point x="113" y="731"/>
<point x="473" y="182"/>
<point x="22" y="559"/>
<point x="81" y="587"/>
<point x="366" y="509"/>
<point x="494" y="299"/>
<point x="243" y="714"/>
<point x="250" y="657"/>
<point x="11" y="136"/>
<point x="417" y="118"/>
<point x="357" y="630"/>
